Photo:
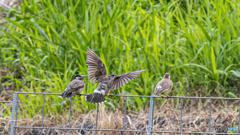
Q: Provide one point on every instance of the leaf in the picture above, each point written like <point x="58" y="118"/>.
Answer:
<point x="202" y="28"/>
<point x="197" y="65"/>
<point x="236" y="73"/>
<point x="112" y="105"/>
<point x="137" y="99"/>
<point x="232" y="95"/>
<point x="41" y="31"/>
<point x="213" y="60"/>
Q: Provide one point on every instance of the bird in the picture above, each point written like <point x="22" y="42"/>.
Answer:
<point x="75" y="87"/>
<point x="97" y="74"/>
<point x="164" y="86"/>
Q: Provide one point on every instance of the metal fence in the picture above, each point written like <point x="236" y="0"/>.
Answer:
<point x="149" y="131"/>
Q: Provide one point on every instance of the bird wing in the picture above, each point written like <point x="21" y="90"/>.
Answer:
<point x="163" y="86"/>
<point x="96" y="68"/>
<point x="76" y="84"/>
<point x="123" y="79"/>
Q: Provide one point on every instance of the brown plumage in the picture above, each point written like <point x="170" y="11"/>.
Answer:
<point x="123" y="79"/>
<point x="97" y="74"/>
<point x="75" y="87"/>
<point x="164" y="86"/>
<point x="96" y="69"/>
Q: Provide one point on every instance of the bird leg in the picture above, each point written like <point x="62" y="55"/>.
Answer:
<point x="166" y="95"/>
<point x="161" y="96"/>
<point x="79" y="94"/>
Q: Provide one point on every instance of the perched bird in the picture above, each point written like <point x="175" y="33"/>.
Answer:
<point x="97" y="74"/>
<point x="164" y="86"/>
<point x="75" y="87"/>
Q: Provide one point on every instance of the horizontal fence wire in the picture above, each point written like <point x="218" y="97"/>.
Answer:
<point x="119" y="130"/>
<point x="6" y="102"/>
<point x="149" y="130"/>
<point x="140" y="96"/>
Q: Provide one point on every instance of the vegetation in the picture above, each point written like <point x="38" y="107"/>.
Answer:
<point x="197" y="42"/>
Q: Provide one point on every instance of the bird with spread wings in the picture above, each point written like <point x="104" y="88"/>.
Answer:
<point x="97" y="74"/>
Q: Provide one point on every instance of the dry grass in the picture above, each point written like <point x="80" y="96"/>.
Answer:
<point x="4" y="120"/>
<point x="195" y="118"/>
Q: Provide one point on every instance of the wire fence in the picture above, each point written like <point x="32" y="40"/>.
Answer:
<point x="149" y="131"/>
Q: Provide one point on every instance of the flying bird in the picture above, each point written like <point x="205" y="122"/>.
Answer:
<point x="75" y="87"/>
<point x="97" y="74"/>
<point x="164" y="86"/>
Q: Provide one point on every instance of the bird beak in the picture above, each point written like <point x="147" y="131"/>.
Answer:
<point x="84" y="76"/>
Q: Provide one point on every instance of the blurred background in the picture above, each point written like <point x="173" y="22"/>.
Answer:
<point x="43" y="46"/>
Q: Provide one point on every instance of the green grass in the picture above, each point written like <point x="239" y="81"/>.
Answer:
<point x="197" y="42"/>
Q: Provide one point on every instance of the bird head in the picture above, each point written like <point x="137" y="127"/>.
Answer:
<point x="79" y="77"/>
<point x="167" y="75"/>
<point x="111" y="76"/>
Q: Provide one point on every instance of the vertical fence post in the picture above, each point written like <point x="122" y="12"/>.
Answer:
<point x="180" y="130"/>
<point x="125" y="111"/>
<point x="13" y="113"/>
<point x="70" y="115"/>
<point x="209" y="126"/>
<point x="150" y="119"/>
<point x="15" y="129"/>
<point x="43" y="111"/>
<point x="97" y="119"/>
<point x="239" y="120"/>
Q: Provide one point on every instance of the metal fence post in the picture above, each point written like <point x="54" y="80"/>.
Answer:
<point x="15" y="129"/>
<point x="180" y="130"/>
<point x="239" y="120"/>
<point x="70" y="115"/>
<point x="150" y="119"/>
<point x="209" y="126"/>
<point x="43" y="111"/>
<point x="125" y="111"/>
<point x="13" y="113"/>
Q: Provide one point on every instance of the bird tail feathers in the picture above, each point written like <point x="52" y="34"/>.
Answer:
<point x="156" y="93"/>
<point x="95" y="98"/>
<point x="65" y="95"/>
